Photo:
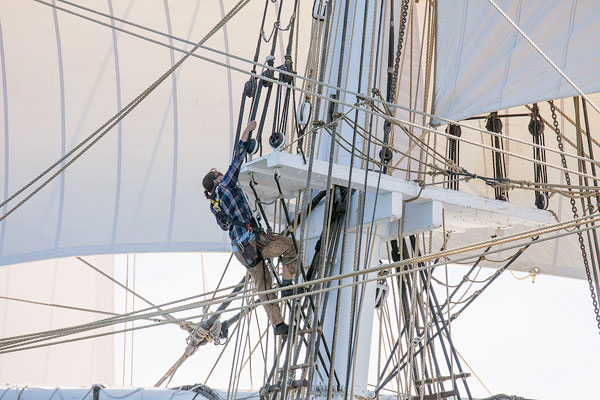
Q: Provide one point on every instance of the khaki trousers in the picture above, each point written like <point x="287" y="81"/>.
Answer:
<point x="271" y="246"/>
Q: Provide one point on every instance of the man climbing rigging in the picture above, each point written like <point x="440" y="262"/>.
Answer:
<point x="232" y="212"/>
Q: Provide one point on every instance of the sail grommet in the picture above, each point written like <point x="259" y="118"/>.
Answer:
<point x="276" y="140"/>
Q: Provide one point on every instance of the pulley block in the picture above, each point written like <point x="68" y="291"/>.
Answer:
<point x="286" y="67"/>
<point x="250" y="87"/>
<point x="387" y="128"/>
<point x="252" y="148"/>
<point x="536" y="127"/>
<point x="454" y="130"/>
<point x="541" y="201"/>
<point x="276" y="140"/>
<point x="385" y="155"/>
<point x="267" y="73"/>
<point x="303" y="114"/>
<point x="381" y="293"/>
<point x="493" y="124"/>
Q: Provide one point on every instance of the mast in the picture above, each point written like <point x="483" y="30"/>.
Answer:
<point x="348" y="327"/>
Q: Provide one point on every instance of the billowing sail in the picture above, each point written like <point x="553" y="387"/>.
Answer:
<point x="54" y="294"/>
<point x="484" y="64"/>
<point x="139" y="188"/>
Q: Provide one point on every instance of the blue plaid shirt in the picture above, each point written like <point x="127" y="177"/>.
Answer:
<point x="231" y="198"/>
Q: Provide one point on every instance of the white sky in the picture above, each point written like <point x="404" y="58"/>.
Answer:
<point x="534" y="340"/>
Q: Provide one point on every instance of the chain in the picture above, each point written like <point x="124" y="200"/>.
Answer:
<point x="399" y="49"/>
<point x="575" y="214"/>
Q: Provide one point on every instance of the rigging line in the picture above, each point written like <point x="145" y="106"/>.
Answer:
<point x="354" y="329"/>
<point x="115" y="119"/>
<point x="289" y="73"/>
<point x="414" y="125"/>
<point x="426" y="149"/>
<point x="222" y="352"/>
<point x="127" y="289"/>
<point x="474" y="373"/>
<point x="565" y="116"/>
<point x="512" y="154"/>
<point x="162" y="322"/>
<point x="125" y="325"/>
<point x="119" y="319"/>
<point x="305" y="203"/>
<point x="565" y="77"/>
<point x="349" y="193"/>
<point x="495" y="182"/>
<point x="406" y="154"/>
<point x="353" y="316"/>
<point x="585" y="131"/>
<point x="506" y="239"/>
<point x="496" y="241"/>
<point x="67" y="307"/>
<point x="374" y="269"/>
<point x="361" y="155"/>
<point x="445" y="323"/>
<point x="258" y="342"/>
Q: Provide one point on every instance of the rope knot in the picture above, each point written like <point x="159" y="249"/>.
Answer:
<point x="201" y="336"/>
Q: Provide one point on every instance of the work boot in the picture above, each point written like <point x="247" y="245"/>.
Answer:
<point x="281" y="329"/>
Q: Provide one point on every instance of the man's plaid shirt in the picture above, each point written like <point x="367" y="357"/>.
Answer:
<point x="231" y="198"/>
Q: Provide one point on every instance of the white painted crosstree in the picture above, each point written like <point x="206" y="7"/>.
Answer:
<point x="387" y="200"/>
<point x="461" y="210"/>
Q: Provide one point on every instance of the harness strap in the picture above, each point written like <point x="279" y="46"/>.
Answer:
<point x="252" y="226"/>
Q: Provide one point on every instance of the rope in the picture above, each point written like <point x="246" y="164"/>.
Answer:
<point x="114" y="120"/>
<point x="119" y="319"/>
<point x="484" y="146"/>
<point x="419" y="259"/>
<point x="313" y="81"/>
<point x="126" y="287"/>
<point x="565" y="77"/>
<point x="40" y="303"/>
<point x="593" y="293"/>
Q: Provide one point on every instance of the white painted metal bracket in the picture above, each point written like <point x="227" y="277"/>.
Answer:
<point x="461" y="210"/>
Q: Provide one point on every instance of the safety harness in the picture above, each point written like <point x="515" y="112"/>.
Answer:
<point x="251" y="256"/>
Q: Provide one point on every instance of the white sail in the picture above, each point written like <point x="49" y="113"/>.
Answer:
<point x="139" y="188"/>
<point x="484" y="64"/>
<point x="52" y="294"/>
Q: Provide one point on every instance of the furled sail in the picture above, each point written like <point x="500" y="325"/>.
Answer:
<point x="484" y="64"/>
